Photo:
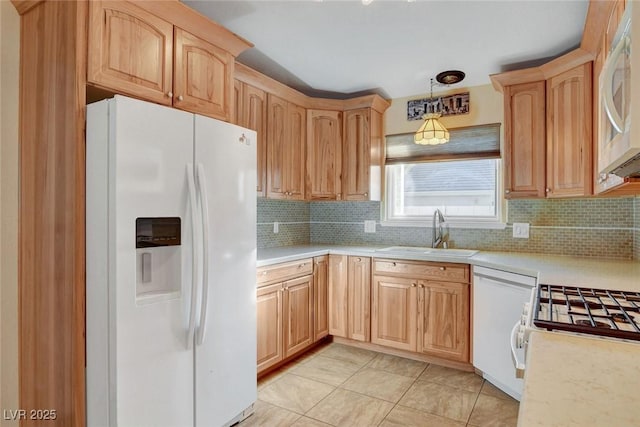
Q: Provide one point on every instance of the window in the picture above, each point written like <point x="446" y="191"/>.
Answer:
<point x="461" y="178"/>
<point x="464" y="190"/>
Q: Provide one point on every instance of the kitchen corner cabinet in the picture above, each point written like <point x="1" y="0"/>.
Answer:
<point x="324" y="155"/>
<point x="284" y="311"/>
<point x="362" y="154"/>
<point x="286" y="131"/>
<point x="524" y="148"/>
<point x="423" y="307"/>
<point x="569" y="138"/>
<point x="133" y="52"/>
<point x="350" y="297"/>
<point x="251" y="112"/>
<point x="320" y="297"/>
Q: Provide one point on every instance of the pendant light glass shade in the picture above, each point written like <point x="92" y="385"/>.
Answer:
<point x="431" y="132"/>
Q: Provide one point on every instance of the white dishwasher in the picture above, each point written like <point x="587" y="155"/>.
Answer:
<point x="498" y="297"/>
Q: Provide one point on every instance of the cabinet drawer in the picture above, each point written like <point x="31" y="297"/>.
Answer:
<point x="422" y="270"/>
<point x="284" y="271"/>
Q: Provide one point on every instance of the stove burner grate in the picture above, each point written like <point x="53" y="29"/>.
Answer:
<point x="588" y="310"/>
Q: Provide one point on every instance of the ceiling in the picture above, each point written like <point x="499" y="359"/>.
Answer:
<point x="339" y="49"/>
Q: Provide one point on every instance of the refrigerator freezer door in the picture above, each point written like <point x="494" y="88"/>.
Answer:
<point x="150" y="368"/>
<point x="225" y="369"/>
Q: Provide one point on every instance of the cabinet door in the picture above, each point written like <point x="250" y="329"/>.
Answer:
<point x="130" y="51"/>
<point x="524" y="132"/>
<point x="269" y="311"/>
<point x="324" y="155"/>
<point x="254" y="115"/>
<point x="569" y="138"/>
<point x="238" y="118"/>
<point x="295" y="151"/>
<point x="202" y="79"/>
<point x="338" y="302"/>
<point x="359" y="298"/>
<point x="356" y="154"/>
<point x="298" y="318"/>
<point x="444" y="320"/>
<point x="276" y="147"/>
<point x="320" y="295"/>
<point x="394" y="312"/>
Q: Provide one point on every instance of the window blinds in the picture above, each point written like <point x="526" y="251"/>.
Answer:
<point x="472" y="142"/>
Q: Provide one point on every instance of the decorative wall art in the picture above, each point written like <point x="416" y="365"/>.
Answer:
<point x="446" y="105"/>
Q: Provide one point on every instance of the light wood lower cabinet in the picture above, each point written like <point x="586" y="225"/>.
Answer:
<point x="297" y="314"/>
<point x="320" y="297"/>
<point x="291" y="309"/>
<point x="427" y="313"/>
<point x="350" y="297"/>
<point x="394" y="312"/>
<point x="269" y="308"/>
<point x="443" y="313"/>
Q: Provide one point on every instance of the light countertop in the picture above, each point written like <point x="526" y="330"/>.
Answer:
<point x="550" y="269"/>
<point x="576" y="381"/>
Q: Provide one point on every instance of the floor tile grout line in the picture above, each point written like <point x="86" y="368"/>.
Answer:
<point x="475" y="403"/>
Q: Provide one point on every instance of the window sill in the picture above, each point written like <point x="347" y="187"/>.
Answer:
<point x="487" y="225"/>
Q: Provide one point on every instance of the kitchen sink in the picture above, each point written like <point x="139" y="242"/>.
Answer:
<point x="411" y="249"/>
<point x="458" y="253"/>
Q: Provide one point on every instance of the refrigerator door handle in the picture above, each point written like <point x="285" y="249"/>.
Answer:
<point x="204" y="205"/>
<point x="194" y="259"/>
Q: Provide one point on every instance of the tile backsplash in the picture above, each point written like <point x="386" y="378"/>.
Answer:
<point x="636" y="225"/>
<point x="606" y="228"/>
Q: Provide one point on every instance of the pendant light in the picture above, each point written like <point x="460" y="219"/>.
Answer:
<point x="432" y="132"/>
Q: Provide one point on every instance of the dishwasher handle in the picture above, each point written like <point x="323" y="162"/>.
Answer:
<point x="517" y="341"/>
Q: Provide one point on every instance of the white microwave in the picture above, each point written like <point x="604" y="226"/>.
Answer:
<point x="619" y="121"/>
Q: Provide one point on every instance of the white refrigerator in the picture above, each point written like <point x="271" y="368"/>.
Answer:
<point x="170" y="267"/>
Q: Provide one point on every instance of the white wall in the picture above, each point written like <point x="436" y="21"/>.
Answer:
<point x="485" y="106"/>
<point x="9" y="65"/>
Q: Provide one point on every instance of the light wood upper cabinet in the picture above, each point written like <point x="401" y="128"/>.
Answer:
<point x="524" y="155"/>
<point x="362" y="155"/>
<point x="394" y="312"/>
<point x="298" y="314"/>
<point x="338" y="303"/>
<point x="359" y="298"/>
<point x="134" y="52"/>
<point x="569" y="137"/>
<point x="444" y="320"/>
<point x="286" y="130"/>
<point x="324" y="155"/>
<point x="130" y="51"/>
<point x="251" y="112"/>
<point x="269" y="313"/>
<point x="202" y="78"/>
<point x="297" y="127"/>
<point x="320" y="297"/>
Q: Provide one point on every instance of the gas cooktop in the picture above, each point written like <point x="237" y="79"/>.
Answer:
<point x="589" y="311"/>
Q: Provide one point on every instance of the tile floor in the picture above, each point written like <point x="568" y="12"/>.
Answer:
<point x="338" y="385"/>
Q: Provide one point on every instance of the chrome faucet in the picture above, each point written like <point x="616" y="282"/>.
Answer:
<point x="438" y="219"/>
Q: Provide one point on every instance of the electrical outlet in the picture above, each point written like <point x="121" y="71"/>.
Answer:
<point x="370" y="226"/>
<point x="276" y="227"/>
<point x="521" y="230"/>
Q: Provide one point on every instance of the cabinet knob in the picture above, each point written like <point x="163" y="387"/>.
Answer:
<point x="180" y="98"/>
<point x="547" y="190"/>
<point x="421" y="285"/>
<point x="443" y="268"/>
<point x="413" y="285"/>
<point x="507" y="191"/>
<point x="393" y="263"/>
<point x="366" y="194"/>
<point x="170" y="95"/>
